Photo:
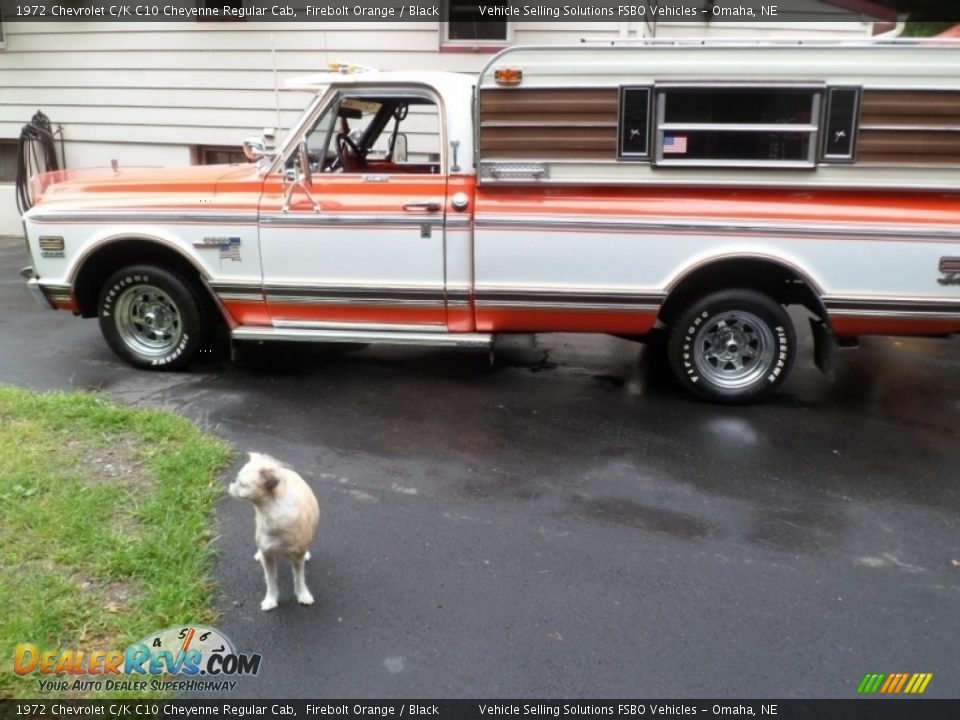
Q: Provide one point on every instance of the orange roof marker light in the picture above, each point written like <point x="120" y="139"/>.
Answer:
<point x="317" y="82"/>
<point x="344" y="68"/>
<point x="508" y="76"/>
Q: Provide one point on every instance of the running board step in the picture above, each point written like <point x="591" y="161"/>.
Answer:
<point x="386" y="337"/>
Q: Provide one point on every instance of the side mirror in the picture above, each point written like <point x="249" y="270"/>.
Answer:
<point x="254" y="148"/>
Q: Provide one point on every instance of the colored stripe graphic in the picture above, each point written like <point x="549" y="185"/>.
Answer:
<point x="919" y="683"/>
<point x="870" y="683"/>
<point x="894" y="683"/>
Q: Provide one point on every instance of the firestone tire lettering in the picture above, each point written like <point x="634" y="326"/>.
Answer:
<point x="183" y="296"/>
<point x="774" y="323"/>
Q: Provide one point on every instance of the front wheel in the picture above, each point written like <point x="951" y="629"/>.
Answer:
<point x="734" y="346"/>
<point x="152" y="318"/>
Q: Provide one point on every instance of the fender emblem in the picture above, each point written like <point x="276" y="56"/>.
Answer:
<point x="228" y="247"/>
<point x="950" y="267"/>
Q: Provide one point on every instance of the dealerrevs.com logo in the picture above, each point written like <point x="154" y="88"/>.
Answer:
<point x="198" y="658"/>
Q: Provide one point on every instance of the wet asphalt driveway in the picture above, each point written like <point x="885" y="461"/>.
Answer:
<point x="566" y="523"/>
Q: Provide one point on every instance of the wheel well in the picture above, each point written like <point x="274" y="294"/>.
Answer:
<point x="113" y="256"/>
<point x="769" y="277"/>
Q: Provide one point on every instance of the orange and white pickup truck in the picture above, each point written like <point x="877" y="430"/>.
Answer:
<point x="691" y="189"/>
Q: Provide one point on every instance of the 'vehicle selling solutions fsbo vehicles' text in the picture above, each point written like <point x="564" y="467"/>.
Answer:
<point x="691" y="189"/>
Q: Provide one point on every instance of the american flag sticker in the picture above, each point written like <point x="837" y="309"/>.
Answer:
<point x="675" y="144"/>
<point x="230" y="249"/>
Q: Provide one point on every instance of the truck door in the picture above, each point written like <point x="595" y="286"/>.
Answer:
<point x="358" y="241"/>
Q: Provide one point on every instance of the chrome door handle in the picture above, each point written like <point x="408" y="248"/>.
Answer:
<point x="427" y="206"/>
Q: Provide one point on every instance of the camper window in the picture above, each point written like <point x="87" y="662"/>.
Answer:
<point x="741" y="125"/>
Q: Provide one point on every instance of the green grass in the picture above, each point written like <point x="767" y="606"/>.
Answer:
<point x="105" y="525"/>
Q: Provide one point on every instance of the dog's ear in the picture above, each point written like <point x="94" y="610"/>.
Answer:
<point x="269" y="478"/>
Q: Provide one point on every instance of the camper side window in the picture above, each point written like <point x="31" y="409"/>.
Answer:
<point x="737" y="125"/>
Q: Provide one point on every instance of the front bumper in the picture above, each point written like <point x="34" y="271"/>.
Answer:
<point x="49" y="297"/>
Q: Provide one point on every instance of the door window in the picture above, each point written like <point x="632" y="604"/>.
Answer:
<point x="377" y="132"/>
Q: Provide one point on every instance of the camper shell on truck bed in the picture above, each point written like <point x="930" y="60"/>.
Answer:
<point x="687" y="190"/>
<point x="854" y="115"/>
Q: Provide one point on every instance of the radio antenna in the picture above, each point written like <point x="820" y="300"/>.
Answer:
<point x="276" y="84"/>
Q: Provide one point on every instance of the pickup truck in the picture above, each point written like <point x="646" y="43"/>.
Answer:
<point x="692" y="190"/>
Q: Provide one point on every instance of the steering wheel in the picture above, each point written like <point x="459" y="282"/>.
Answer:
<point x="347" y="152"/>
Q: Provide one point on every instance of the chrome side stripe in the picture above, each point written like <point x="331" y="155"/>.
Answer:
<point x="896" y="314"/>
<point x="581" y="223"/>
<point x="623" y="301"/>
<point x="249" y="291"/>
<point x="459" y="296"/>
<point x="355" y="290"/>
<point x="392" y="337"/>
<point x="103" y="216"/>
<point x="230" y="285"/>
<point x="366" y="327"/>
<point x="908" y="308"/>
<point x="303" y="219"/>
<point x="298" y="295"/>
<point x="236" y="296"/>
<point x="283" y="299"/>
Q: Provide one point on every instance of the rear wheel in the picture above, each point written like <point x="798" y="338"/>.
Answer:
<point x="734" y="346"/>
<point x="152" y="318"/>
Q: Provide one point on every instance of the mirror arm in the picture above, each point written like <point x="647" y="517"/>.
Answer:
<point x="302" y="178"/>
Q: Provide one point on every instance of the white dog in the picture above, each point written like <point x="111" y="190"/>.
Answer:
<point x="286" y="518"/>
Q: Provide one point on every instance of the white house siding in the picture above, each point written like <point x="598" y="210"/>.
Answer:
<point x="149" y="93"/>
<point x="200" y="83"/>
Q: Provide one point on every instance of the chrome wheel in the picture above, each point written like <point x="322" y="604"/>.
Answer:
<point x="734" y="349"/>
<point x="732" y="346"/>
<point x="148" y="320"/>
<point x="153" y="317"/>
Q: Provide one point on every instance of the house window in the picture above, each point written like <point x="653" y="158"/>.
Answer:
<point x="737" y="125"/>
<point x="8" y="161"/>
<point x="219" y="155"/>
<point x="465" y="25"/>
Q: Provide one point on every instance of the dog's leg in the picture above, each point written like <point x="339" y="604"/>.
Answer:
<point x="307" y="556"/>
<point x="300" y="582"/>
<point x="269" y="562"/>
<point x="258" y="557"/>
